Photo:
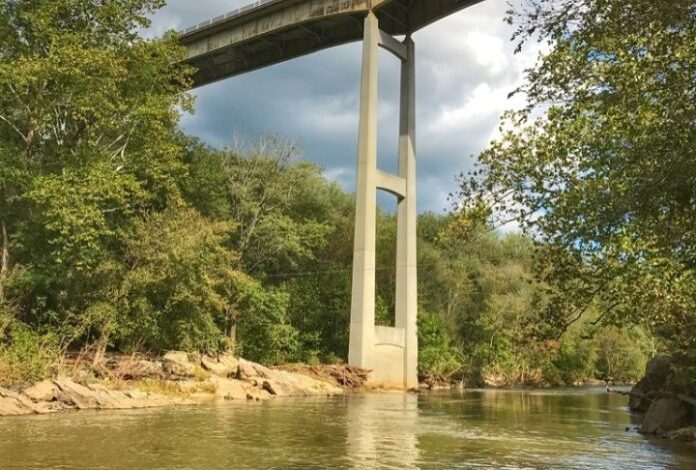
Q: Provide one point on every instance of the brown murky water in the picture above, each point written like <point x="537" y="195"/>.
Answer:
<point x="464" y="430"/>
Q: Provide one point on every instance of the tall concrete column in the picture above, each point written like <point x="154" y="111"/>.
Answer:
<point x="406" y="256"/>
<point x="362" y="315"/>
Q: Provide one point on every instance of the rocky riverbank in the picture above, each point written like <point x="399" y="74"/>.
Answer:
<point x="176" y="378"/>
<point x="665" y="413"/>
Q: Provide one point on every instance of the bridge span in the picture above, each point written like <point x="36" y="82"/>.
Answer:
<point x="272" y="31"/>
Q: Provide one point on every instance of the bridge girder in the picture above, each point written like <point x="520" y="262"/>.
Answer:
<point x="280" y="30"/>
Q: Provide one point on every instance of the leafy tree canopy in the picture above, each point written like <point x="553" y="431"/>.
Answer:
<point x="601" y="166"/>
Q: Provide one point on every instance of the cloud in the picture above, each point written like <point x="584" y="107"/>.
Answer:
<point x="465" y="70"/>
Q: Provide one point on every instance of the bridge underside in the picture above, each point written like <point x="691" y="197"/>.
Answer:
<point x="280" y="30"/>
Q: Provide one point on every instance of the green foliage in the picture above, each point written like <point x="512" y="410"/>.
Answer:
<point x="271" y="195"/>
<point x="177" y="291"/>
<point x="600" y="167"/>
<point x="293" y="235"/>
<point x="572" y="362"/>
<point x="436" y="351"/>
<point x="88" y="112"/>
<point x="487" y="300"/>
<point x="266" y="335"/>
<point x="206" y="184"/>
<point x="319" y="309"/>
<point x="25" y="356"/>
<point x="621" y="354"/>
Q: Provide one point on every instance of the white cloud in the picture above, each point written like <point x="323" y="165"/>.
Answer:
<point x="482" y="103"/>
<point x="488" y="50"/>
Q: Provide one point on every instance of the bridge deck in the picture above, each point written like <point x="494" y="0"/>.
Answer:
<point x="272" y="31"/>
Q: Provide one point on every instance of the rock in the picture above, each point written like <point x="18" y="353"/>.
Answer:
<point x="92" y="396"/>
<point x="177" y="364"/>
<point x="225" y="365"/>
<point x="74" y="394"/>
<point x="248" y="370"/>
<point x="245" y="370"/>
<point x="131" y="368"/>
<point x="137" y="369"/>
<point x="659" y="368"/>
<point x="45" y="390"/>
<point x="664" y="415"/>
<point x="45" y="407"/>
<point x="285" y="384"/>
<point x="257" y="394"/>
<point x="131" y="398"/>
<point x="13" y="403"/>
<point x="229" y="389"/>
<point x="683" y="435"/>
<point x="268" y="387"/>
<point x="657" y="373"/>
<point x="593" y="383"/>
<point x="190" y="387"/>
<point x="108" y="399"/>
<point x="136" y="394"/>
<point x="258" y="383"/>
<point x="636" y="402"/>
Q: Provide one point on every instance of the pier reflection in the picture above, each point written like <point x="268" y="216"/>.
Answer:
<point x="382" y="431"/>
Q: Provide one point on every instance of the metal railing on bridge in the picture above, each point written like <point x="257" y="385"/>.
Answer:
<point x="221" y="18"/>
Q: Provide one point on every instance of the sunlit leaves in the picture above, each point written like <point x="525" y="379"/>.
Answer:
<point x="601" y="165"/>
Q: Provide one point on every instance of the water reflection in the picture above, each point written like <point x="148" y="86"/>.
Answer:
<point x="469" y="430"/>
<point x="382" y="431"/>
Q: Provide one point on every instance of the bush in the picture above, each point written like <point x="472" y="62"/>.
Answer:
<point x="436" y="353"/>
<point x="572" y="362"/>
<point x="25" y="356"/>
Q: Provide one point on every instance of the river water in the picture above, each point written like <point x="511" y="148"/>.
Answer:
<point x="555" y="430"/>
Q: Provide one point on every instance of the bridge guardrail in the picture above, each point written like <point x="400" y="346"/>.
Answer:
<point x="220" y="18"/>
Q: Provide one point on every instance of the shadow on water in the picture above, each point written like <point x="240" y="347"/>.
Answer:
<point x="464" y="430"/>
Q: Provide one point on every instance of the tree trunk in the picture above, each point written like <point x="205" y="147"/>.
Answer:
<point x="232" y="334"/>
<point x="4" y="259"/>
<point x="100" y="350"/>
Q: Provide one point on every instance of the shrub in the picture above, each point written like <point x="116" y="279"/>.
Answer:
<point x="436" y="353"/>
<point x="178" y="287"/>
<point x="572" y="362"/>
<point x="25" y="356"/>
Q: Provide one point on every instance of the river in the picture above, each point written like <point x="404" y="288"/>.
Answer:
<point x="555" y="430"/>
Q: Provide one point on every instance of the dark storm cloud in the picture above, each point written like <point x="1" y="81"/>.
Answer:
<point x="465" y="69"/>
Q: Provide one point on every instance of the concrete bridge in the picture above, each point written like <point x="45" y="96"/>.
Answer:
<point x="272" y="31"/>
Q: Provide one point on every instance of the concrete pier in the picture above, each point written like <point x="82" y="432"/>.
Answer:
<point x="392" y="353"/>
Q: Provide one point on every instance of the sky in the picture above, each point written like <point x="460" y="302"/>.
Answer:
<point x="465" y="68"/>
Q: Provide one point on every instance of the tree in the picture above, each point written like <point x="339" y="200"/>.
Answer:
<point x="180" y="289"/>
<point x="267" y="188"/>
<point x="88" y="111"/>
<point x="600" y="168"/>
